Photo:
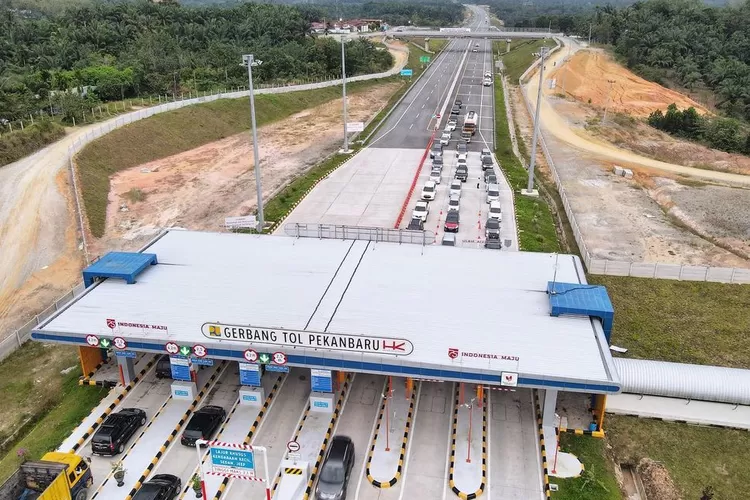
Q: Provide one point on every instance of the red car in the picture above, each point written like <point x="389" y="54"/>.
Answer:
<point x="451" y="221"/>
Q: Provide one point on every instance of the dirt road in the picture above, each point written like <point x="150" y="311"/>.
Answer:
<point x="556" y="125"/>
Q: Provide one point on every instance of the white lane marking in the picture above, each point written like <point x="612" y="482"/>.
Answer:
<point x="450" y="435"/>
<point x="410" y="126"/>
<point x="423" y="106"/>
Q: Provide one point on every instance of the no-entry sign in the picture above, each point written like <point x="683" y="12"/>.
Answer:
<point x="293" y="446"/>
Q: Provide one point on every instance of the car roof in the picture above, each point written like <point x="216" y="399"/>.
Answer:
<point x="420" y="202"/>
<point x="495" y="204"/>
<point x="452" y="214"/>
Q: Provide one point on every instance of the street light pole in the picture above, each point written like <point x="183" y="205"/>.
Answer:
<point x="250" y="61"/>
<point x="530" y="186"/>
<point x="343" y="81"/>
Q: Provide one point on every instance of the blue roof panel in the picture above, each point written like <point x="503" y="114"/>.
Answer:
<point x="587" y="300"/>
<point x="124" y="265"/>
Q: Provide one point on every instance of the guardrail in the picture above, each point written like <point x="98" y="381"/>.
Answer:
<point x="595" y="265"/>
<point x="366" y="233"/>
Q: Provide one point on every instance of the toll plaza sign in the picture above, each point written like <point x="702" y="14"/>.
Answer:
<point x="367" y="344"/>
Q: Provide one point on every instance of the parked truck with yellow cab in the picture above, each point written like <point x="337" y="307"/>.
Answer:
<point x="57" y="476"/>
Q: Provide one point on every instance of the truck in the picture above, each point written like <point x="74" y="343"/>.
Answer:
<point x="57" y="476"/>
<point x="470" y="125"/>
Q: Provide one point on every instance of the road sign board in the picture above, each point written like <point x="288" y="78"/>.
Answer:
<point x="232" y="461"/>
<point x="251" y="355"/>
<point x="264" y="358"/>
<point x="199" y="350"/>
<point x="406" y="72"/>
<point x="508" y="378"/>
<point x="105" y="343"/>
<point x="249" y="374"/>
<point x="293" y="446"/>
<point x="184" y="351"/>
<point x="172" y="348"/>
<point x="92" y="340"/>
<point x="424" y="59"/>
<point x="277" y="368"/>
<point x="180" y="368"/>
<point x="279" y="358"/>
<point x="126" y="354"/>
<point x="293" y="456"/>
<point x="119" y="343"/>
<point x="355" y="126"/>
<point x="247" y="221"/>
<point x="202" y="361"/>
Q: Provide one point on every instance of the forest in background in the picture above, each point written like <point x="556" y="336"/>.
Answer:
<point x="127" y="49"/>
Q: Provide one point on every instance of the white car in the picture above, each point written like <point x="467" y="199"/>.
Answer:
<point x="487" y="74"/>
<point x="474" y="50"/>
<point x="495" y="211"/>
<point x="462" y="157"/>
<point x="420" y="211"/>
<point x="493" y="193"/>
<point x="451" y="125"/>
<point x="435" y="175"/>
<point x="428" y="191"/>
<point x="455" y="189"/>
<point x="487" y="82"/>
<point x="445" y="138"/>
<point x="454" y="202"/>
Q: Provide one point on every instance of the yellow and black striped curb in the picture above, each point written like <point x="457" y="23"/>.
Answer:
<point x="297" y="432"/>
<point x="100" y="383"/>
<point x="254" y="427"/>
<point x="582" y="432"/>
<point x="175" y="431"/>
<point x="292" y="471"/>
<point x="83" y="379"/>
<point x="407" y="429"/>
<point x="540" y="428"/>
<point x="451" y="482"/>
<point x="324" y="446"/>
<point x="111" y="407"/>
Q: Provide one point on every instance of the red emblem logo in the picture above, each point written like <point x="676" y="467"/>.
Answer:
<point x="111" y="324"/>
<point x="452" y="352"/>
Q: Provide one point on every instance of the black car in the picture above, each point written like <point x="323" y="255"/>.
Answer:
<point x="458" y="103"/>
<point x="116" y="430"/>
<point x="456" y="110"/>
<point x="203" y="425"/>
<point x="490" y="178"/>
<point x="492" y="229"/>
<point x="486" y="162"/>
<point x="462" y="147"/>
<point x="164" y="367"/>
<point x="160" y="487"/>
<point x="336" y="469"/>
<point x="462" y="173"/>
<point x="493" y="244"/>
<point x="451" y="221"/>
<point x="416" y="224"/>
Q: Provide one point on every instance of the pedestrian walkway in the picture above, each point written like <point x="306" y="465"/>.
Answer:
<point x="467" y="476"/>
<point x="680" y="410"/>
<point x="385" y="461"/>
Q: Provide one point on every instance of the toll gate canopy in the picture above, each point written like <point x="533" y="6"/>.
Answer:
<point x="428" y="312"/>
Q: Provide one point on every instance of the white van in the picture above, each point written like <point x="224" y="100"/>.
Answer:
<point x="428" y="191"/>
<point x="495" y="211"/>
<point x="493" y="193"/>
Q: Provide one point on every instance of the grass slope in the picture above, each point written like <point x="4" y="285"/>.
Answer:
<point x="597" y="482"/>
<point x="41" y="405"/>
<point x="520" y="56"/>
<point x="181" y="130"/>
<point x="680" y="321"/>
<point x="535" y="223"/>
<point x="695" y="457"/>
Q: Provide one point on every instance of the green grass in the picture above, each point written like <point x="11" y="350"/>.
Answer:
<point x="695" y="457"/>
<point x="19" y="143"/>
<point x="41" y="406"/>
<point x="597" y="482"/>
<point x="680" y="321"/>
<point x="535" y="223"/>
<point x="181" y="130"/>
<point x="434" y="44"/>
<point x="520" y="56"/>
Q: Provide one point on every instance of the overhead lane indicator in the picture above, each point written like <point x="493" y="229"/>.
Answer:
<point x="367" y="344"/>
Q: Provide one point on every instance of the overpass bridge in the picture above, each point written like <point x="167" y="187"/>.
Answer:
<point x="473" y="33"/>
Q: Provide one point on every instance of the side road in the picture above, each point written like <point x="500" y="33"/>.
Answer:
<point x="38" y="218"/>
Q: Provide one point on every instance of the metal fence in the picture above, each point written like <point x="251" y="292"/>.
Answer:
<point x="626" y="268"/>
<point x="332" y="231"/>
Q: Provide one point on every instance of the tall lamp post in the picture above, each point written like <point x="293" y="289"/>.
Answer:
<point x="343" y="81"/>
<point x="249" y="61"/>
<point x="530" y="191"/>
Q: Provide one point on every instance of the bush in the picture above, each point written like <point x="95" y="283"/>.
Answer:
<point x="16" y="145"/>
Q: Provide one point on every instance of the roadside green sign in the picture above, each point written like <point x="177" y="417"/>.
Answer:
<point x="424" y="59"/>
<point x="104" y="343"/>
<point x="263" y="358"/>
<point x="184" y="350"/>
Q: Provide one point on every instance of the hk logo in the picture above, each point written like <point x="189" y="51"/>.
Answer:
<point x="452" y="353"/>
<point x="111" y="324"/>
